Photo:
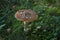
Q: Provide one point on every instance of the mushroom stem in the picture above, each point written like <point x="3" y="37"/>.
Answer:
<point x="24" y="26"/>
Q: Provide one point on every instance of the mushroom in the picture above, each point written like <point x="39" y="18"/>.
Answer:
<point x="26" y="15"/>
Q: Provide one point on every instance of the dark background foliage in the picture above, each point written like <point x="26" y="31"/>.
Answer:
<point x="46" y="27"/>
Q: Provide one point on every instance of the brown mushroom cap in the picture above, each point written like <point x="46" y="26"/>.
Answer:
<point x="26" y="15"/>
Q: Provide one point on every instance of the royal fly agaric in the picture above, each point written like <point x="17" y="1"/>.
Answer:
<point x="26" y="15"/>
